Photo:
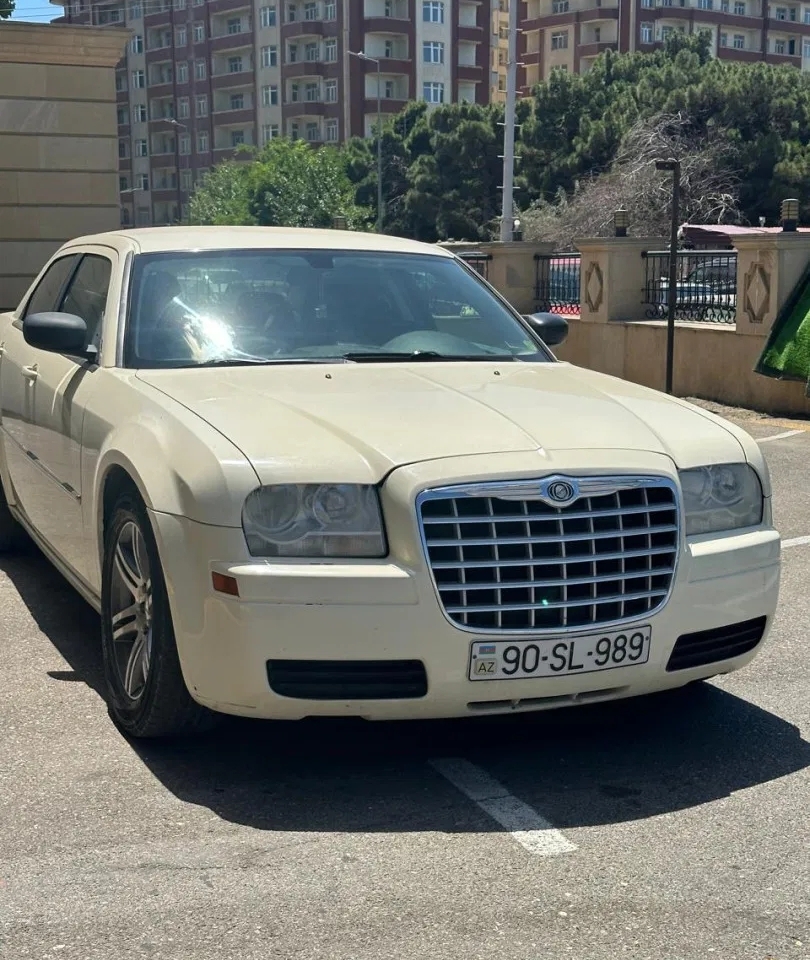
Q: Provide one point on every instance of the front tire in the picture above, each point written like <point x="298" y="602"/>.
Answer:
<point x="147" y="694"/>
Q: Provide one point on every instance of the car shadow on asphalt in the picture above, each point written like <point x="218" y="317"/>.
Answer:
<point x="586" y="766"/>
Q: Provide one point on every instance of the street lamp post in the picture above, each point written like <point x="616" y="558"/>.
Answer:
<point x="675" y="167"/>
<point x="178" y="126"/>
<point x="362" y="56"/>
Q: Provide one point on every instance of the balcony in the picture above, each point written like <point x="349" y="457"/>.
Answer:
<point x="467" y="71"/>
<point x="304" y="28"/>
<point x="155" y="16"/>
<point x="231" y="41"/>
<point x="594" y="49"/>
<point x="471" y="34"/>
<point x="159" y="55"/>
<point x="225" y="81"/>
<point x="230" y="153"/>
<point x="389" y="25"/>
<point x="161" y="88"/>
<point x="228" y="6"/>
<point x="388" y="105"/>
<point x="602" y="13"/>
<point x="304" y="68"/>
<point x="304" y="108"/>
<point x="396" y="65"/>
<point x="229" y="118"/>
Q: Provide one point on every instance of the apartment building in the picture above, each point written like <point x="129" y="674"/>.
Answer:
<point x="201" y="77"/>
<point x="570" y="34"/>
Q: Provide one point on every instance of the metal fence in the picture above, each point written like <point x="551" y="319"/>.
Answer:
<point x="478" y="261"/>
<point x="557" y="283"/>
<point x="706" y="290"/>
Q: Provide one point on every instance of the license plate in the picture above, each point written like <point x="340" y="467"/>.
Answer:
<point x="520" y="659"/>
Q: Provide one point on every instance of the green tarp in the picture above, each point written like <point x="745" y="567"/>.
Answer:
<point x="787" y="352"/>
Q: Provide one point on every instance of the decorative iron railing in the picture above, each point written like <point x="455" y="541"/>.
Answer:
<point x="478" y="260"/>
<point x="557" y="283"/>
<point x="706" y="290"/>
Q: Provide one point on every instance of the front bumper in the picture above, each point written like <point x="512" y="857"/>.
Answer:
<point x="389" y="611"/>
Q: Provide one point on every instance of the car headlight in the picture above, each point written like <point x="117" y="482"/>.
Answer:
<point x="723" y="497"/>
<point x="314" y="520"/>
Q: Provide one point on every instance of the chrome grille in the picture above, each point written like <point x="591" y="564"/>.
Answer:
<point x="521" y="564"/>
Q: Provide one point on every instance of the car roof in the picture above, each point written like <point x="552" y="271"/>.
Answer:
<point x="182" y="239"/>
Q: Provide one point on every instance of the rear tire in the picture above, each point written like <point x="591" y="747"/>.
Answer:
<point x="147" y="694"/>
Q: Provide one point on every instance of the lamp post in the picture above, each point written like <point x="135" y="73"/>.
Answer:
<point x="789" y="215"/>
<point x="675" y="167"/>
<point x="621" y="221"/>
<point x="178" y="126"/>
<point x="362" y="56"/>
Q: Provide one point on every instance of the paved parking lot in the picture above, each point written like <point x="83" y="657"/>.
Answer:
<point x="675" y="827"/>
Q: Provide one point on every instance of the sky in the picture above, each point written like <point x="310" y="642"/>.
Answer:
<point x="38" y="10"/>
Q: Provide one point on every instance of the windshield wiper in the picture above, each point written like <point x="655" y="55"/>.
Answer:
<point x="371" y="356"/>
<point x="267" y="362"/>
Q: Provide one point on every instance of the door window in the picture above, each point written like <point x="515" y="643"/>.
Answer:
<point x="46" y="293"/>
<point x="86" y="297"/>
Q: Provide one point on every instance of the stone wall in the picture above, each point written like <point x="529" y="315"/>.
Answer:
<point x="58" y="143"/>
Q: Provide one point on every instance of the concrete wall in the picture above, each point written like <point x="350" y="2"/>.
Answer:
<point x="58" y="143"/>
<point x="712" y="361"/>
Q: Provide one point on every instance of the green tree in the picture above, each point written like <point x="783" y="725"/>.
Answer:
<point x="6" y="9"/>
<point x="286" y="184"/>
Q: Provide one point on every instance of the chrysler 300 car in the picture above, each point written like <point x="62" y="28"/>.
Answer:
<point x="323" y="472"/>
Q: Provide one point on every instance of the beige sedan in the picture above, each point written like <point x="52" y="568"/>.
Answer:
<point x="322" y="472"/>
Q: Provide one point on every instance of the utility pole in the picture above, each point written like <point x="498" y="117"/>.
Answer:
<point x="674" y="166"/>
<point x="507" y="209"/>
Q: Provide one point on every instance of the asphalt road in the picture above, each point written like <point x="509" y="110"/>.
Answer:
<point x="683" y="820"/>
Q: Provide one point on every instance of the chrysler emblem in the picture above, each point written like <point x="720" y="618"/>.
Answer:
<point x="560" y="491"/>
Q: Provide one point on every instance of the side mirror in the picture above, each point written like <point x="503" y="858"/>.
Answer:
<point x="550" y="327"/>
<point x="56" y="333"/>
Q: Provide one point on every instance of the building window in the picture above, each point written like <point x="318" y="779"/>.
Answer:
<point x="142" y="181"/>
<point x="311" y="52"/>
<point x="199" y="31"/>
<point x="390" y="88"/>
<point x="179" y="4"/>
<point x="807" y="15"/>
<point x="202" y="105"/>
<point x="135" y="11"/>
<point x="330" y="91"/>
<point x="120" y="82"/>
<point x="647" y="3"/>
<point x="705" y="4"/>
<point x="292" y="13"/>
<point x="331" y="131"/>
<point x="183" y="110"/>
<point x="267" y="16"/>
<point x="781" y="13"/>
<point x="806" y="49"/>
<point x="180" y="37"/>
<point x="269" y="56"/>
<point x="666" y="32"/>
<point x="294" y="130"/>
<point x="723" y="39"/>
<point x="313" y="132"/>
<point x="136" y="44"/>
<point x="185" y="145"/>
<point x="123" y="116"/>
<point x="185" y="180"/>
<point x="310" y="11"/>
<point x="725" y="6"/>
<point x="269" y="96"/>
<point x="182" y="72"/>
<point x="269" y="132"/>
<point x="138" y="79"/>
<point x="432" y="11"/>
<point x="141" y="148"/>
<point x="123" y="184"/>
<point x="433" y="92"/>
<point x="330" y="10"/>
<point x="389" y="48"/>
<point x="234" y="65"/>
<point x="199" y="70"/>
<point x="294" y="93"/>
<point x="779" y="46"/>
<point x="237" y="138"/>
<point x="312" y="93"/>
<point x="559" y="6"/>
<point x="646" y="33"/>
<point x="739" y="8"/>
<point x="739" y="41"/>
<point x="237" y="101"/>
<point x="559" y="40"/>
<point x="433" y="51"/>
<point x="202" y="141"/>
<point x="143" y="216"/>
<point x="123" y="149"/>
<point x="140" y="112"/>
<point x="234" y="26"/>
<point x="330" y="51"/>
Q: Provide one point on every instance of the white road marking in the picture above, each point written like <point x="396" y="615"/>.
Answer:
<point x="525" y="824"/>
<point x="796" y="542"/>
<point x="780" y="436"/>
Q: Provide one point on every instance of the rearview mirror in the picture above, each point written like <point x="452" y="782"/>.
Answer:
<point x="550" y="327"/>
<point x="56" y="333"/>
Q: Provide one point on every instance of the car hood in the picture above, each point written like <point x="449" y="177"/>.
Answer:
<point x="356" y="422"/>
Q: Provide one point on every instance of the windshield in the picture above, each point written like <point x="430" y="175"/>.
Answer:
<point x="268" y="306"/>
